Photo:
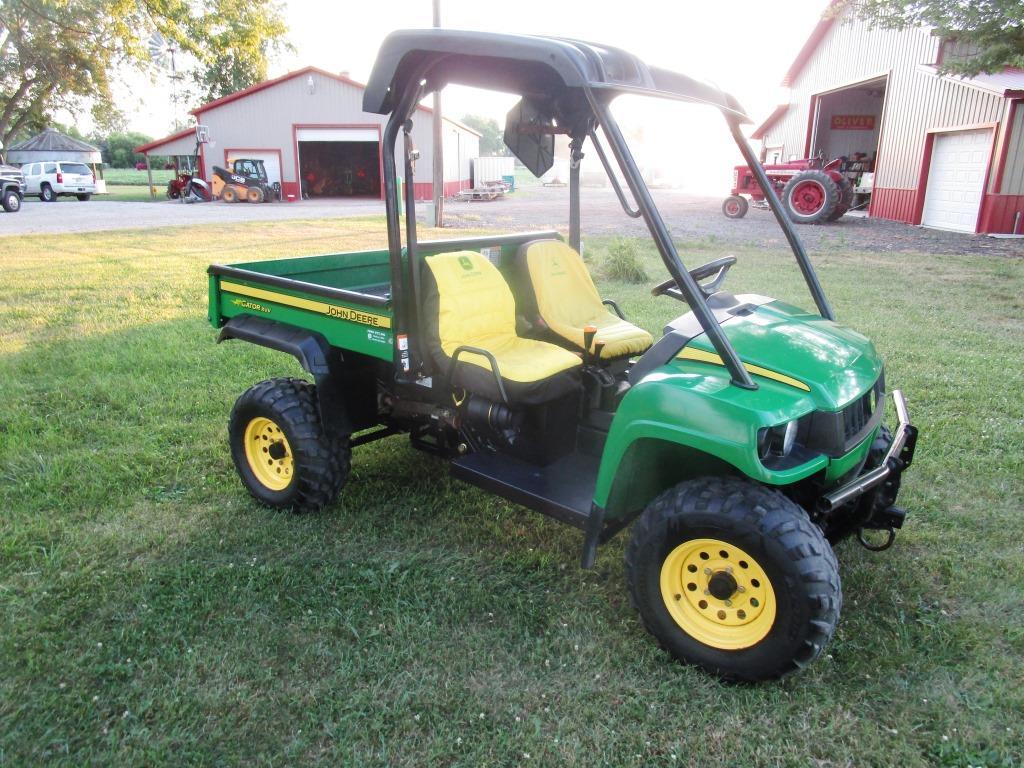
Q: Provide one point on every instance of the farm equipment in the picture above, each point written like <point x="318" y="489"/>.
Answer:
<point x="185" y="185"/>
<point x="188" y="188"/>
<point x="246" y="181"/>
<point x="740" y="445"/>
<point x="812" y="191"/>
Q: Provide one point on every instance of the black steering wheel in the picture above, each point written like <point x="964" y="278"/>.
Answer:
<point x="718" y="268"/>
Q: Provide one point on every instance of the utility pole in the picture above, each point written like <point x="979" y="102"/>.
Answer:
<point x="438" y="156"/>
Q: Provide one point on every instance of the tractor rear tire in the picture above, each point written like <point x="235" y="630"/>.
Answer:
<point x="735" y="207"/>
<point x="229" y="194"/>
<point x="254" y="195"/>
<point x="733" y="577"/>
<point x="845" y="199"/>
<point x="279" y="447"/>
<point x="810" y="197"/>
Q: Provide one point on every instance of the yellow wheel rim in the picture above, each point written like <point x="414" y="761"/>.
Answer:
<point x="718" y="594"/>
<point x="268" y="454"/>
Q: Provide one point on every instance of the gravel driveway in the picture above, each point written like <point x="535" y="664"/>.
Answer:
<point x="696" y="218"/>
<point x="70" y="215"/>
<point x="691" y="218"/>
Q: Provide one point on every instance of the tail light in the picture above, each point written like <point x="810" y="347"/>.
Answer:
<point x="60" y="178"/>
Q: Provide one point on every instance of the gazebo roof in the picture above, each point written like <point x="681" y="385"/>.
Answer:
<point x="52" y="145"/>
<point x="53" y="141"/>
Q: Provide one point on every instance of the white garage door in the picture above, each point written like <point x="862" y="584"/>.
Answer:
<point x="270" y="160"/>
<point x="956" y="180"/>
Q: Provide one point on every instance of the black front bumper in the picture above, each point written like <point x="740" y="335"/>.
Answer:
<point x="897" y="458"/>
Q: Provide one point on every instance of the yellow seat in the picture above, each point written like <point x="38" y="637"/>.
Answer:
<point x="567" y="300"/>
<point x="466" y="302"/>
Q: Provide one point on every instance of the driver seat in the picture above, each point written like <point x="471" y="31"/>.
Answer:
<point x="566" y="300"/>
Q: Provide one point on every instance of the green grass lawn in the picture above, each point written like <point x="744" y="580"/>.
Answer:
<point x="151" y="613"/>
<point x="134" y="194"/>
<point x="132" y="177"/>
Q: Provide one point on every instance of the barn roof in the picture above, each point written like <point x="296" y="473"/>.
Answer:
<point x="772" y="119"/>
<point x="818" y="34"/>
<point x="299" y="73"/>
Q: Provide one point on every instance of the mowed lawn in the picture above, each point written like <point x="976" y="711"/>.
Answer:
<point x="152" y="614"/>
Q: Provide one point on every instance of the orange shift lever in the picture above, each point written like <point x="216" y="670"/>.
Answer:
<point x="589" y="332"/>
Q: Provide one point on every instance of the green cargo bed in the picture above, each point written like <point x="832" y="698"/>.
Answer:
<point x="345" y="297"/>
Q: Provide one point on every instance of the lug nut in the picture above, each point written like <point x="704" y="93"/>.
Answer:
<point x="741" y="588"/>
<point x="707" y="571"/>
<point x="728" y="603"/>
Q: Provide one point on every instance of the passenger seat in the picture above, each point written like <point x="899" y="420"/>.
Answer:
<point x="567" y="301"/>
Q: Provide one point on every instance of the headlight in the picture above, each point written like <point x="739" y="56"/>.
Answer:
<point x="776" y="441"/>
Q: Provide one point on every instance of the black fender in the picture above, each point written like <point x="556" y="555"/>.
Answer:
<point x="315" y="355"/>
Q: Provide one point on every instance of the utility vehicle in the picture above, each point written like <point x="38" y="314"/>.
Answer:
<point x="739" y="444"/>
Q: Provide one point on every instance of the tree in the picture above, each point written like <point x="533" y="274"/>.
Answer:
<point x="985" y="36"/>
<point x="66" y="53"/>
<point x="117" y="149"/>
<point x="492" y="140"/>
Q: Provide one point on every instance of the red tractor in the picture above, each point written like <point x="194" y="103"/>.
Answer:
<point x="811" y="190"/>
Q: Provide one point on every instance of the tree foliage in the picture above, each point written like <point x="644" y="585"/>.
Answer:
<point x="67" y="53"/>
<point x="492" y="140"/>
<point x="988" y="35"/>
<point x="118" y="148"/>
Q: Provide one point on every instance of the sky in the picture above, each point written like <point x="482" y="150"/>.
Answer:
<point x="743" y="46"/>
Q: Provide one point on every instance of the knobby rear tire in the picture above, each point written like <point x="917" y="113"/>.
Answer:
<point x="321" y="462"/>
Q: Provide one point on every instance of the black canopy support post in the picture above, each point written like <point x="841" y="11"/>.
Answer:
<point x="413" y="314"/>
<point x="575" y="158"/>
<point x="810" y="276"/>
<point x="401" y="299"/>
<point x="663" y="239"/>
<point x="398" y="292"/>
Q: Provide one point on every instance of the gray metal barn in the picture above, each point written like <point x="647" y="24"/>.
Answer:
<point x="309" y="129"/>
<point x="946" y="152"/>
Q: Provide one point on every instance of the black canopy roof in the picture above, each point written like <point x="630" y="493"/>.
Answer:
<point x="524" y="64"/>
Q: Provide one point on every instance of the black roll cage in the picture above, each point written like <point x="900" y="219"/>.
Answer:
<point x="403" y="76"/>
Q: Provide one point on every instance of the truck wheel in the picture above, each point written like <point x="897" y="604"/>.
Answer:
<point x="11" y="201"/>
<point x="735" y="207"/>
<point x="46" y="193"/>
<point x="733" y="577"/>
<point x="84" y="197"/>
<point x="254" y="195"/>
<point x="280" y="450"/>
<point x="845" y="199"/>
<point x="810" y="197"/>
<point x="229" y="194"/>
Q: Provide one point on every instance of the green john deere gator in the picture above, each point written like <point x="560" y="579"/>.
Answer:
<point x="740" y="445"/>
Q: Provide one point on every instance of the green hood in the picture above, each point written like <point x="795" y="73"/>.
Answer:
<point x="834" y="364"/>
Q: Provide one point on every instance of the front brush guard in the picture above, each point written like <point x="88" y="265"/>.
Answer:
<point x="876" y="489"/>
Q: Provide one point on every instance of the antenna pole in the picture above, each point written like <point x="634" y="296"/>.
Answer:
<point x="438" y="156"/>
